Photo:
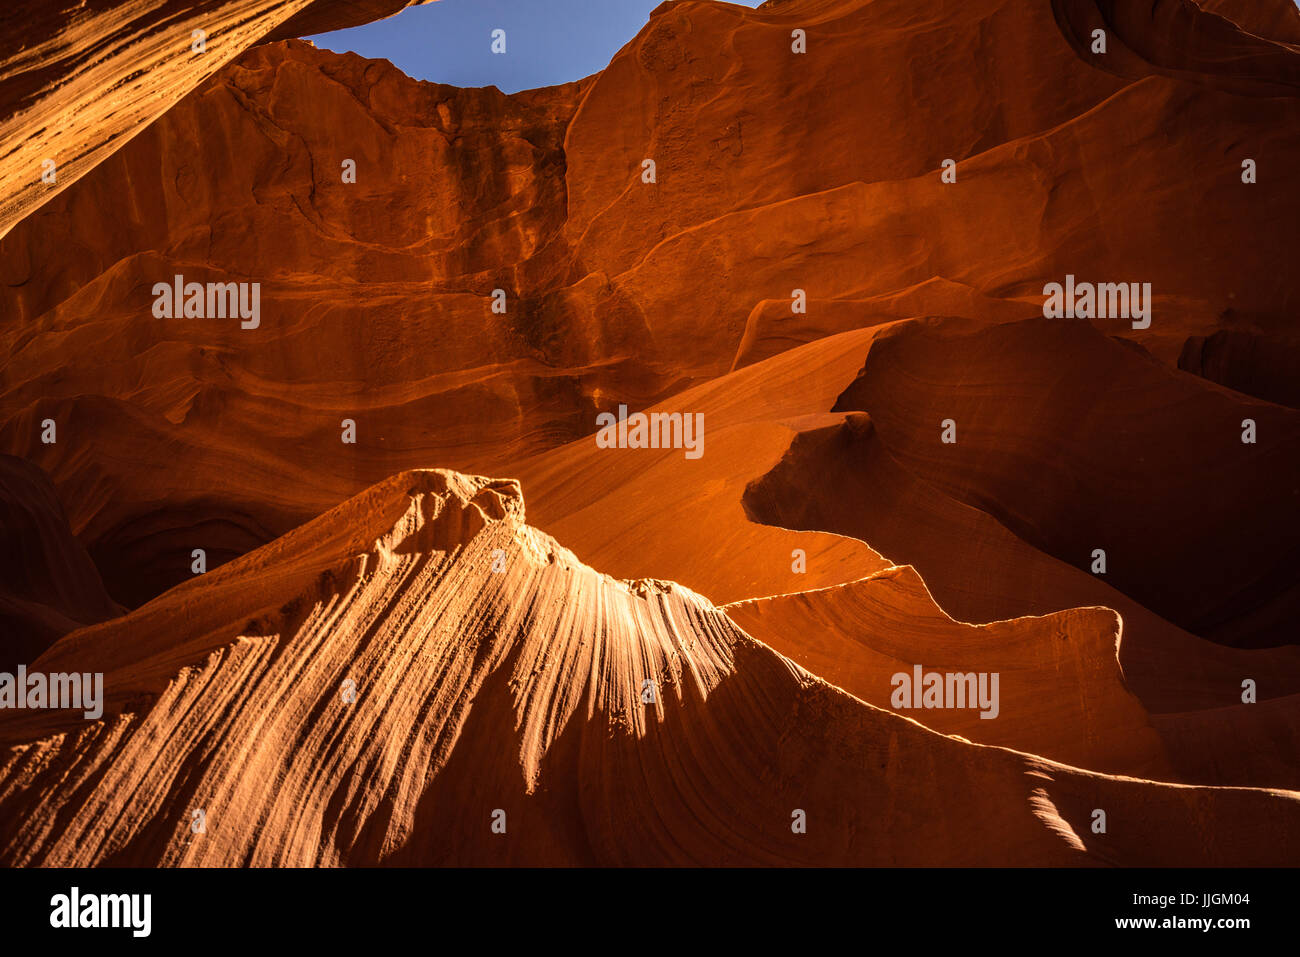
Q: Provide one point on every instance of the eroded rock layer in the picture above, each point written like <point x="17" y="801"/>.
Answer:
<point x="48" y="583"/>
<point x="837" y="259"/>
<point x="368" y="689"/>
<point x="78" y="78"/>
<point x="378" y="297"/>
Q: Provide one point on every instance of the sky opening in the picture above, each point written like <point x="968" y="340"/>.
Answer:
<point x="546" y="41"/>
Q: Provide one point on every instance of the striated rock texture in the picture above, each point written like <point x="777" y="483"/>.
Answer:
<point x="903" y="463"/>
<point x="78" y="78"/>
<point x="376" y="296"/>
<point x="784" y="471"/>
<point x="522" y="692"/>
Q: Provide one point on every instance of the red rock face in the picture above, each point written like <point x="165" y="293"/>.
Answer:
<point x="905" y="455"/>
<point x="81" y="77"/>
<point x="50" y="585"/>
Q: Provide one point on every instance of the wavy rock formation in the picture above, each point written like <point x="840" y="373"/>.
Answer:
<point x="1199" y="43"/>
<point x="78" y="79"/>
<point x="1259" y="365"/>
<point x="859" y="635"/>
<point x="639" y="509"/>
<point x="730" y="525"/>
<point x="477" y="693"/>
<point x="616" y="290"/>
<point x="385" y="664"/>
<point x="979" y="571"/>
<point x="208" y="391"/>
<point x="48" y="584"/>
<point x="1075" y="442"/>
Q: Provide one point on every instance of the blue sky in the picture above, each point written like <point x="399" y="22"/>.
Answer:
<point x="547" y="41"/>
